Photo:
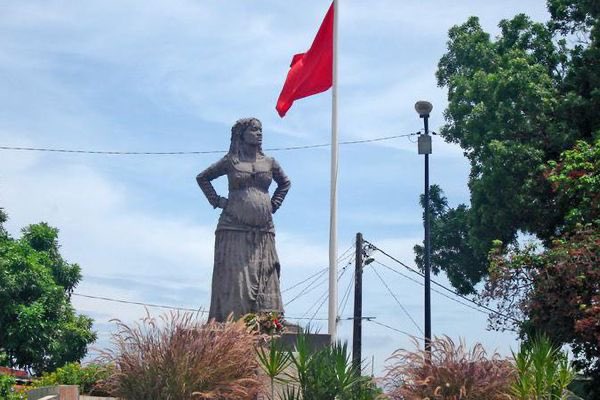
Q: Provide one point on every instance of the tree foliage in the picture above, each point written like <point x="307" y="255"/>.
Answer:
<point x="524" y="109"/>
<point x="515" y="105"/>
<point x="39" y="329"/>
<point x="554" y="292"/>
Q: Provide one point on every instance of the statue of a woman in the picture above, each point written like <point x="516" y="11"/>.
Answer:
<point x="246" y="267"/>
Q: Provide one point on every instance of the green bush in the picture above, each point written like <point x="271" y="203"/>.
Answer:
<point x="7" y="389"/>
<point x="86" y="377"/>
<point x="544" y="372"/>
<point x="324" y="374"/>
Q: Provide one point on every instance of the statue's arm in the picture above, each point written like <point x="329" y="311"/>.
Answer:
<point x="214" y="171"/>
<point x="283" y="186"/>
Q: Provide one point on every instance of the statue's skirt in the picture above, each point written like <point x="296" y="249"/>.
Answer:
<point x="245" y="275"/>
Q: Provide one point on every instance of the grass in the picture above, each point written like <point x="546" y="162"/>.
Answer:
<point x="177" y="357"/>
<point x="454" y="372"/>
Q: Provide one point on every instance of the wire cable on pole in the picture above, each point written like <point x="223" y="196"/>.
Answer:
<point x="110" y="299"/>
<point x="398" y="301"/>
<point x="320" y="272"/>
<point x="310" y="287"/>
<point x="394" y="329"/>
<point x="315" y="275"/>
<point x="140" y="303"/>
<point x="325" y="295"/>
<point x="177" y="153"/>
<point x="432" y="289"/>
<point x="345" y="298"/>
<point x="440" y="285"/>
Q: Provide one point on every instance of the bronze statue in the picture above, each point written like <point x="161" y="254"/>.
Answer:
<point x="246" y="267"/>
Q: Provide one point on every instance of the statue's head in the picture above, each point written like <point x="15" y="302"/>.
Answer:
<point x="237" y="135"/>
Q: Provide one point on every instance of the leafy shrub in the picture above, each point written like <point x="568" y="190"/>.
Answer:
<point x="7" y="389"/>
<point x="177" y="357"/>
<point x="6" y="385"/>
<point x="543" y="372"/>
<point x="324" y="374"/>
<point x="86" y="377"/>
<point x="453" y="373"/>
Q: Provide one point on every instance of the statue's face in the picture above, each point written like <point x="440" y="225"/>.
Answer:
<point x="253" y="133"/>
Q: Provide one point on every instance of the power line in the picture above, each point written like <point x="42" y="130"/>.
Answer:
<point x="325" y="295"/>
<point x="311" y="285"/>
<point x="320" y="272"/>
<point x="177" y="153"/>
<point x="309" y="288"/>
<point x="346" y="296"/>
<point x="110" y="299"/>
<point x="440" y="285"/>
<point x="140" y="303"/>
<point x="433" y="290"/>
<point x="398" y="301"/>
<point x="392" y="328"/>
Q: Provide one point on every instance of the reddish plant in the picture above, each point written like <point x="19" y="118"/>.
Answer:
<point x="178" y="357"/>
<point x="454" y="372"/>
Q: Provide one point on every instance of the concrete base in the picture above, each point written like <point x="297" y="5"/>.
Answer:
<point x="316" y="341"/>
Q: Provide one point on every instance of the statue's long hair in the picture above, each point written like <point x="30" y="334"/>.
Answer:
<point x="237" y="139"/>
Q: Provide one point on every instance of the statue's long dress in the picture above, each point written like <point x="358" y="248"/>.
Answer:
<point x="246" y="267"/>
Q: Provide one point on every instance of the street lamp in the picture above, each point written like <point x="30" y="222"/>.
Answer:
<point x="423" y="108"/>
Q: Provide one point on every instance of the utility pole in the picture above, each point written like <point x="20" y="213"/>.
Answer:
<point x="357" y="331"/>
<point x="423" y="108"/>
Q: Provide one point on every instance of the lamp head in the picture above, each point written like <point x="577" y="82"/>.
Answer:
<point x="423" y="108"/>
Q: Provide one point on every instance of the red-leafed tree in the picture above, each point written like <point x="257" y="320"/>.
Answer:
<point x="557" y="291"/>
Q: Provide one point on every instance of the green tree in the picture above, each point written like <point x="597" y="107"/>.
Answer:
<point x="555" y="291"/>
<point x="39" y="329"/>
<point x="515" y="104"/>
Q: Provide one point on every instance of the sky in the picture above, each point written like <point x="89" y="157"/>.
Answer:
<point x="152" y="76"/>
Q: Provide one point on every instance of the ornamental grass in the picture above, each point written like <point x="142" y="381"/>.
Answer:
<point x="177" y="357"/>
<point x="454" y="373"/>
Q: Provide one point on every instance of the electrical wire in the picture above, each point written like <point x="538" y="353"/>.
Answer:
<point x="345" y="297"/>
<point x="325" y="295"/>
<point x="139" y="303"/>
<point x="317" y="273"/>
<point x="311" y="285"/>
<point x="440" y="285"/>
<point x="394" y="329"/>
<point x="309" y="288"/>
<point x="398" y="301"/>
<point x="110" y="299"/>
<point x="432" y="289"/>
<point x="171" y="153"/>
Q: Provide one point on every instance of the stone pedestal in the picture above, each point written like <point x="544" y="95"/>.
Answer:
<point x="316" y="341"/>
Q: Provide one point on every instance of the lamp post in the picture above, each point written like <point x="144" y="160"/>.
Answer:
<point x="423" y="108"/>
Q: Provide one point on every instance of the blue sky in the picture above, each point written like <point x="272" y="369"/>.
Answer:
<point x="174" y="76"/>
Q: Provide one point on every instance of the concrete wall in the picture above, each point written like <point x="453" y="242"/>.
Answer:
<point x="62" y="392"/>
<point x="82" y="397"/>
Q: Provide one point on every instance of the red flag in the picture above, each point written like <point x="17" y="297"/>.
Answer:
<point x="311" y="72"/>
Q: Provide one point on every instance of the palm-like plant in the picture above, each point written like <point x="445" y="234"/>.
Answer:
<point x="324" y="374"/>
<point x="544" y="372"/>
<point x="274" y="362"/>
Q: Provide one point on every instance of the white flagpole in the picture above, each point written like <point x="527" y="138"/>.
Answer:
<point x="333" y="199"/>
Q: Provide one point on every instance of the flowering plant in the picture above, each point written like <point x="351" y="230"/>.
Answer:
<point x="265" y="323"/>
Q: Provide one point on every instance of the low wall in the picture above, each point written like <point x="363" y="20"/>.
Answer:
<point x="83" y="397"/>
<point x="61" y="392"/>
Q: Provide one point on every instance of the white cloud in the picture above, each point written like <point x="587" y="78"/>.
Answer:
<point x="143" y="75"/>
